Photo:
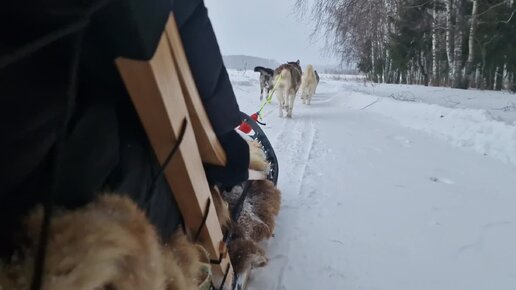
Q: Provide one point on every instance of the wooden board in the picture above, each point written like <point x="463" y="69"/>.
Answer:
<point x="209" y="146"/>
<point x="157" y="94"/>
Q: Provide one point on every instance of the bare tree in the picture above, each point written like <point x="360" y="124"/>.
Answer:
<point x="471" y="44"/>
<point x="443" y="42"/>
<point x="458" y="35"/>
<point x="435" y="62"/>
<point x="449" y="37"/>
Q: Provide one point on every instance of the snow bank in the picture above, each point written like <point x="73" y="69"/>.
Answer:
<point x="470" y="128"/>
<point x="500" y="105"/>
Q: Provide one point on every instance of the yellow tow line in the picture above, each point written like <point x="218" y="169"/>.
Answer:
<point x="268" y="100"/>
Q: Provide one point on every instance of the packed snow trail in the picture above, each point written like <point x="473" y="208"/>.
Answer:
<point x="369" y="203"/>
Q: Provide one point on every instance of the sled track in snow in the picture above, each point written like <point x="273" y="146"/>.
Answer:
<point x="294" y="143"/>
<point x="305" y="161"/>
<point x="337" y="228"/>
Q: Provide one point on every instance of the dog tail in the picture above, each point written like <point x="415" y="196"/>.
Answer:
<point x="310" y="73"/>
<point x="285" y="74"/>
<point x="264" y="70"/>
<point x="309" y="69"/>
<point x="260" y="69"/>
<point x="285" y="78"/>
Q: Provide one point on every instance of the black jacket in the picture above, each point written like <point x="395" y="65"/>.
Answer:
<point x="105" y="148"/>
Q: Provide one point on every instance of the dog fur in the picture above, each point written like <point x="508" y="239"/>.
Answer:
<point x="182" y="264"/>
<point x="245" y="255"/>
<point x="266" y="200"/>
<point x="232" y="196"/>
<point x="266" y="77"/>
<point x="288" y="77"/>
<point x="249" y="226"/>
<point x="259" y="211"/>
<point x="258" y="162"/>
<point x="309" y="84"/>
<point x="257" y="157"/>
<point x="257" y="218"/>
<point x="108" y="244"/>
<point x="222" y="209"/>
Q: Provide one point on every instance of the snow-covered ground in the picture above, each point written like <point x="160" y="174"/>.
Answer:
<point x="391" y="187"/>
<point x="500" y="106"/>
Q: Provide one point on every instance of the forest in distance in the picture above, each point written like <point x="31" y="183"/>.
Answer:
<point x="455" y="43"/>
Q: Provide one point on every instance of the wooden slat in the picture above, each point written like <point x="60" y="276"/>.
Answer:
<point x="156" y="92"/>
<point x="209" y="146"/>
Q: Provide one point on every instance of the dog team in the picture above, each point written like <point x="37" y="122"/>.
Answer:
<point x="285" y="81"/>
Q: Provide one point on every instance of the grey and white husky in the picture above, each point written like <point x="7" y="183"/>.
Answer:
<point x="266" y="76"/>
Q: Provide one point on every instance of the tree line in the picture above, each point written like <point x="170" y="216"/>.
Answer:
<point x="457" y="43"/>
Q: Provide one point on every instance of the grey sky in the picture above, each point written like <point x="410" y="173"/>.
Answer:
<point x="265" y="28"/>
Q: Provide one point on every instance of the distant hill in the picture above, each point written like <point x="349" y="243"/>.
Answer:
<point x="337" y="69"/>
<point x="242" y="62"/>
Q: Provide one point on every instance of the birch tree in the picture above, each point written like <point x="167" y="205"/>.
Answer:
<point x="458" y="43"/>
<point x="435" y="62"/>
<point x="449" y="38"/>
<point x="471" y="43"/>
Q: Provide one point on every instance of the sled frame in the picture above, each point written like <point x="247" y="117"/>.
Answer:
<point x="164" y="94"/>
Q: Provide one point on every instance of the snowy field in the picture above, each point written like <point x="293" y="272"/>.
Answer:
<point x="391" y="187"/>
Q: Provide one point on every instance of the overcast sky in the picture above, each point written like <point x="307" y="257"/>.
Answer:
<point x="265" y="28"/>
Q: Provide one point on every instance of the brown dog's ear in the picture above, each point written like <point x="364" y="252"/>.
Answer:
<point x="298" y="62"/>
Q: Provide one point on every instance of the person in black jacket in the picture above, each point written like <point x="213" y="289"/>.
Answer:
<point x="105" y="146"/>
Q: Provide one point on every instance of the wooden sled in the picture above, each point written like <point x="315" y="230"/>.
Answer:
<point x="164" y="94"/>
